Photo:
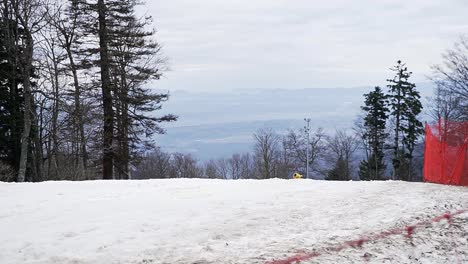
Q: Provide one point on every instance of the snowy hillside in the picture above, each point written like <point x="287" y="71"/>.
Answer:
<point x="214" y="221"/>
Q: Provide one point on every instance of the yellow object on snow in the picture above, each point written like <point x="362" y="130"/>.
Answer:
<point x="297" y="176"/>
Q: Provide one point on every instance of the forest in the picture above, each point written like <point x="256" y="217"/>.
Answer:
<point x="76" y="95"/>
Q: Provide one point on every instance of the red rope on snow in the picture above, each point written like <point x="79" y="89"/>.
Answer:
<point x="408" y="231"/>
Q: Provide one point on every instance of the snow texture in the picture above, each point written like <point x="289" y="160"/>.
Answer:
<point x="216" y="221"/>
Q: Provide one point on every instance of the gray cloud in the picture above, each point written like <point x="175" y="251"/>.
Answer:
<point x="229" y="44"/>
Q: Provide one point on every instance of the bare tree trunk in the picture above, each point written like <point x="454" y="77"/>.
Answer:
<point x="396" y="147"/>
<point x="38" y="151"/>
<point x="83" y="157"/>
<point x="55" y="112"/>
<point x="69" y="35"/>
<point x="125" y="155"/>
<point x="49" y="150"/>
<point x="125" y="150"/>
<point x="27" y="67"/>
<point x="108" y="159"/>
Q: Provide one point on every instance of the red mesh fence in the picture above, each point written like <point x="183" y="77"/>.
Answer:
<point x="445" y="154"/>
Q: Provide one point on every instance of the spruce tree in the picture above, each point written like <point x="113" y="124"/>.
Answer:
<point x="11" y="92"/>
<point x="412" y="130"/>
<point x="405" y="106"/>
<point x="375" y="119"/>
<point x="106" y="88"/>
<point x="339" y="172"/>
<point x="122" y="47"/>
<point x="134" y="61"/>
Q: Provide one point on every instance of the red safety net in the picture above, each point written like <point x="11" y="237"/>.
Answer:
<point x="445" y="154"/>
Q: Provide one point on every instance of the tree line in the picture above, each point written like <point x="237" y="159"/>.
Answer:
<point x="332" y="156"/>
<point x="386" y="141"/>
<point x="76" y="95"/>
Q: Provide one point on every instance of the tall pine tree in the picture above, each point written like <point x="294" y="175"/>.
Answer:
<point x="135" y="62"/>
<point x="413" y="128"/>
<point x="11" y="92"/>
<point x="405" y="105"/>
<point x="106" y="88"/>
<point x="129" y="61"/>
<point x="375" y="134"/>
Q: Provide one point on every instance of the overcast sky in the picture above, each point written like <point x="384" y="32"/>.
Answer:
<point x="232" y="44"/>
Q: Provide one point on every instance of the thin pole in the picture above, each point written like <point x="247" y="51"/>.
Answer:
<point x="307" y="130"/>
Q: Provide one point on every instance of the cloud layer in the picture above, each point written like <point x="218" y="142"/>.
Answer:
<point x="222" y="45"/>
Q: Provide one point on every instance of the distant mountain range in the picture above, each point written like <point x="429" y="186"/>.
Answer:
<point x="218" y="124"/>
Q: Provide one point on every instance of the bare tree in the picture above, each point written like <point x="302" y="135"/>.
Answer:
<point x="341" y="148"/>
<point x="235" y="166"/>
<point x="247" y="170"/>
<point x="296" y="149"/>
<point x="185" y="166"/>
<point x="446" y="105"/>
<point x="360" y="131"/>
<point x="29" y="14"/>
<point x="211" y="170"/>
<point x="222" y="168"/>
<point x="240" y="166"/>
<point x="154" y="165"/>
<point x="50" y="71"/>
<point x="267" y="153"/>
<point x="451" y="79"/>
<point x="67" y="23"/>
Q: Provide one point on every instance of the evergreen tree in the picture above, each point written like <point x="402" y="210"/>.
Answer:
<point x="11" y="93"/>
<point x="405" y="105"/>
<point x="339" y="172"/>
<point x="374" y="134"/>
<point x="135" y="60"/>
<point x="372" y="168"/>
<point x="412" y="130"/>
<point x="107" y="35"/>
<point x="106" y="88"/>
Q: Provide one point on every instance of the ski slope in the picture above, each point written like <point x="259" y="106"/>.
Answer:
<point x="216" y="221"/>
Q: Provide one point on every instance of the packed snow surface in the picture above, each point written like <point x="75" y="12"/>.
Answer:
<point x="216" y="221"/>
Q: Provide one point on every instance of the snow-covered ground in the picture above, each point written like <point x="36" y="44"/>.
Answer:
<point x="214" y="221"/>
